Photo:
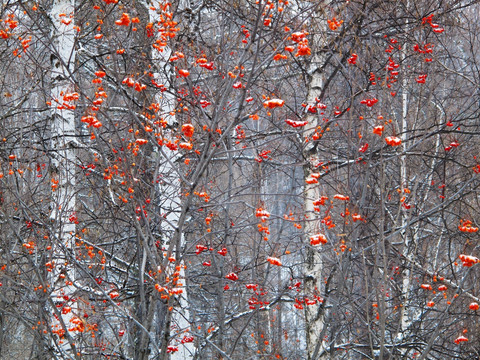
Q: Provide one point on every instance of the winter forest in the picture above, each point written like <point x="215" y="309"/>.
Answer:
<point x="239" y="179"/>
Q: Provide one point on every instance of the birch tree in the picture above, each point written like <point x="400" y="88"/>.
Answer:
<point x="63" y="166"/>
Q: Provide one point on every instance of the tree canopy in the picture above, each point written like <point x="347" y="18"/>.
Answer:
<point x="269" y="179"/>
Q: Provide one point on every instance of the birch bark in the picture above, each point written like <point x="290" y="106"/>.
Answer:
<point x="314" y="314"/>
<point x="63" y="167"/>
<point x="179" y="319"/>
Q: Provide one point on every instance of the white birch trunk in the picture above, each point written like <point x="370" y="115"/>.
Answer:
<point x="409" y="313"/>
<point x="180" y="325"/>
<point x="314" y="315"/>
<point x="63" y="160"/>
<point x="405" y="316"/>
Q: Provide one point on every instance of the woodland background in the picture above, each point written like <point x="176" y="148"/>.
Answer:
<point x="239" y="179"/>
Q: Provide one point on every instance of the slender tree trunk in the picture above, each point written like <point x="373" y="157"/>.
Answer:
<point x="314" y="314"/>
<point x="406" y="281"/>
<point x="63" y="165"/>
<point x="407" y="314"/>
<point x="177" y="324"/>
